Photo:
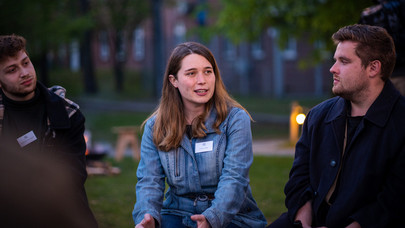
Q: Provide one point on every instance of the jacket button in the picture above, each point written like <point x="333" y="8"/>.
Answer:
<point x="333" y="163"/>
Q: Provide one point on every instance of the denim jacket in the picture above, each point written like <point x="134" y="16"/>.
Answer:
<point x="217" y="165"/>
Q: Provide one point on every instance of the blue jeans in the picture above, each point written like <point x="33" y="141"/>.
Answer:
<point x="174" y="221"/>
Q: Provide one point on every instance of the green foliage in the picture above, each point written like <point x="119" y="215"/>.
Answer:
<point x="44" y="23"/>
<point x="119" y="15"/>
<point x="242" y="20"/>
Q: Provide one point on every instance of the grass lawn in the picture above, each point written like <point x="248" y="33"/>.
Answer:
<point x="112" y="197"/>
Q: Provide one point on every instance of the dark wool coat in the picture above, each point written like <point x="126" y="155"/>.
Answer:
<point x="46" y="188"/>
<point x="372" y="184"/>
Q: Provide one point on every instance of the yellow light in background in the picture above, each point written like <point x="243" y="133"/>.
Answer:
<point x="300" y="118"/>
<point x="297" y="118"/>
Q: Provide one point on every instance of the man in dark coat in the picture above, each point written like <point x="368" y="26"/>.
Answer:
<point x="42" y="148"/>
<point x="349" y="166"/>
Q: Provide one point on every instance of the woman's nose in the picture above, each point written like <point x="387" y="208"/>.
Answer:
<point x="200" y="78"/>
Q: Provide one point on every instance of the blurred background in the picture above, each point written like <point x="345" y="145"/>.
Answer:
<point x="110" y="55"/>
<point x="102" y="51"/>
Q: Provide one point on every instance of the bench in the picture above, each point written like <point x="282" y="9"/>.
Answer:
<point x="126" y="137"/>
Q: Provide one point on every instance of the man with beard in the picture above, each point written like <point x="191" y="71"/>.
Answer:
<point x="349" y="166"/>
<point x="41" y="138"/>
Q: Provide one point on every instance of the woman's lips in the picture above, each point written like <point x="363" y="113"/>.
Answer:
<point x="201" y="92"/>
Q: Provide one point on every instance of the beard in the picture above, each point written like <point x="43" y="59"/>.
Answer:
<point x="15" y="92"/>
<point x="23" y="94"/>
<point x="351" y="92"/>
<point x="342" y="93"/>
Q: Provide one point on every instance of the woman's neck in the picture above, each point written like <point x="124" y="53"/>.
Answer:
<point x="192" y="113"/>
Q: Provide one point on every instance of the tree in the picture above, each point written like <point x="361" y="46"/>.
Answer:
<point x="158" y="52"/>
<point x="46" y="24"/>
<point x="86" y="54"/>
<point x="119" y="18"/>
<point x="245" y="20"/>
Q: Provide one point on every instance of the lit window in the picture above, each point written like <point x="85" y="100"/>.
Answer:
<point x="257" y="50"/>
<point x="180" y="32"/>
<point x="230" y="51"/>
<point x="290" y="52"/>
<point x="104" y="47"/>
<point x="139" y="44"/>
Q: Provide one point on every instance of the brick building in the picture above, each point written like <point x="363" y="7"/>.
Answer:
<point x="258" y="68"/>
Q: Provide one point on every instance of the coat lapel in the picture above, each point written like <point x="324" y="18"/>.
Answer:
<point x="337" y="117"/>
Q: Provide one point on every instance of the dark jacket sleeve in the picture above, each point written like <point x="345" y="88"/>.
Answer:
<point x="66" y="144"/>
<point x="73" y="145"/>
<point x="65" y="135"/>
<point x="71" y="148"/>
<point x="298" y="189"/>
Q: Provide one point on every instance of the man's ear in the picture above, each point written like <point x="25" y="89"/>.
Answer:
<point x="173" y="80"/>
<point x="374" y="68"/>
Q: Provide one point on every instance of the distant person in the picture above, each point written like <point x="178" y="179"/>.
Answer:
<point x="390" y="14"/>
<point x="39" y="125"/>
<point x="349" y="166"/>
<point x="199" y="140"/>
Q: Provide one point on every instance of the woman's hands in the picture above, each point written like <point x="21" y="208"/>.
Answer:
<point x="201" y="221"/>
<point x="147" y="222"/>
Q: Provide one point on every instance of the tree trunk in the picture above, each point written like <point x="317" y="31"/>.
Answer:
<point x="118" y="62"/>
<point x="86" y="57"/>
<point x="90" y="84"/>
<point x="43" y="68"/>
<point x="158" y="52"/>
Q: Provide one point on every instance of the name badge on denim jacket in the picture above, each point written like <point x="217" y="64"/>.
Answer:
<point x="204" y="146"/>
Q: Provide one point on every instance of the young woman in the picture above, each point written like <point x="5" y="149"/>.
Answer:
<point x="199" y="141"/>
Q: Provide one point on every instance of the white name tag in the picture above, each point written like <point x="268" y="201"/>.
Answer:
<point x="204" y="146"/>
<point x="27" y="139"/>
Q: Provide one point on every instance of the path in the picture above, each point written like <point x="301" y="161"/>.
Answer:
<point x="277" y="147"/>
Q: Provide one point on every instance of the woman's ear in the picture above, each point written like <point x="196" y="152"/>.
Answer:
<point x="173" y="80"/>
<point x="374" y="68"/>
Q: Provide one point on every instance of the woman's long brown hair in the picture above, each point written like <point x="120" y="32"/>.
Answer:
<point x="170" y="123"/>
